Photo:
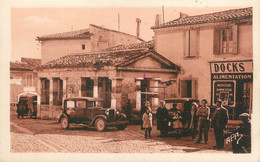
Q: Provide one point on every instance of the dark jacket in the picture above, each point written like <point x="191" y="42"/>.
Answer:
<point x="162" y="116"/>
<point x="220" y="118"/>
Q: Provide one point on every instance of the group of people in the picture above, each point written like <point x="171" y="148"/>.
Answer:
<point x="200" y="119"/>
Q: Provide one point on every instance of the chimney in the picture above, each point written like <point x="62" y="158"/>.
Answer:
<point x="138" y="27"/>
<point x="158" y="20"/>
<point x="183" y="15"/>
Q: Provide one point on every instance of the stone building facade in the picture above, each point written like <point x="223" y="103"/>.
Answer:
<point x="117" y="76"/>
<point x="23" y="80"/>
<point x="215" y="53"/>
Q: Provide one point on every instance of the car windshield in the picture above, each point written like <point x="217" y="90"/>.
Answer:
<point x="95" y="104"/>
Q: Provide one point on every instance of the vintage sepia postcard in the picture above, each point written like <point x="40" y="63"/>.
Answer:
<point x="129" y="80"/>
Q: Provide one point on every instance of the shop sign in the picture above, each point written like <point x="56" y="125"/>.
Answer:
<point x="234" y="67"/>
<point x="245" y="76"/>
<point x="224" y="91"/>
<point x="17" y="81"/>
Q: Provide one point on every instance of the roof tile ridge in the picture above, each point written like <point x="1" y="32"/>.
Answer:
<point x="63" y="33"/>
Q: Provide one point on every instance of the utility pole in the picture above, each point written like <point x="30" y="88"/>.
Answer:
<point x="118" y="22"/>
<point x="163" y="13"/>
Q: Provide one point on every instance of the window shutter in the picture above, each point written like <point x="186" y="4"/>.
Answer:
<point x="235" y="39"/>
<point x="193" y="43"/>
<point x="216" y="43"/>
<point x="186" y="43"/>
<point x="194" y="88"/>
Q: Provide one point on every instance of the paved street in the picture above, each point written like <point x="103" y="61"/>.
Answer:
<point x="35" y="135"/>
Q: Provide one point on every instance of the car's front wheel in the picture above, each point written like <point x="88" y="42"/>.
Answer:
<point x="121" y="126"/>
<point x="64" y="122"/>
<point x="100" y="124"/>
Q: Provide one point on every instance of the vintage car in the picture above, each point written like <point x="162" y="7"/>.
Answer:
<point x="90" y="112"/>
<point x="184" y="106"/>
<point x="27" y="106"/>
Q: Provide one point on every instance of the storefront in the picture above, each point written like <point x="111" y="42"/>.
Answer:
<point x="232" y="82"/>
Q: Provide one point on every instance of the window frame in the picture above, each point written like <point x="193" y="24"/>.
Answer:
<point x="218" y="39"/>
<point x="228" y="41"/>
<point x="188" y="42"/>
<point x="59" y="95"/>
<point x="27" y="80"/>
<point x="83" y="47"/>
<point x="45" y="91"/>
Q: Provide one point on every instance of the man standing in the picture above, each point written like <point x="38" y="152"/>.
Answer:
<point x="162" y="116"/>
<point x="219" y="122"/>
<point x="203" y="114"/>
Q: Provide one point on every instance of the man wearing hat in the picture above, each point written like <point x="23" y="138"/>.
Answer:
<point x="243" y="145"/>
<point x="219" y="122"/>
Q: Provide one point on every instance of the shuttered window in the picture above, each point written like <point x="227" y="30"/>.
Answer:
<point x="188" y="88"/>
<point x="87" y="85"/>
<point x="225" y="40"/>
<point x="45" y="89"/>
<point x="29" y="80"/>
<point x="57" y="91"/>
<point x="191" y="43"/>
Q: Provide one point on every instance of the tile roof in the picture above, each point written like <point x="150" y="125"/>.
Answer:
<point x="32" y="61"/>
<point x="109" y="58"/>
<point x="77" y="34"/>
<point x="142" y="45"/>
<point x="20" y="66"/>
<point x="88" y="60"/>
<point x="84" y="33"/>
<point x="228" y="15"/>
<point x="26" y="64"/>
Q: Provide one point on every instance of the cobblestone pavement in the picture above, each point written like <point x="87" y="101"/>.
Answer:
<point x="34" y="135"/>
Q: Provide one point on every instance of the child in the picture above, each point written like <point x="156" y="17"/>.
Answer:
<point x="177" y="124"/>
<point x="147" y="122"/>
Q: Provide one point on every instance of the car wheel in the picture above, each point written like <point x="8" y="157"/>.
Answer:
<point x="100" y="124"/>
<point x="64" y="122"/>
<point x="121" y="126"/>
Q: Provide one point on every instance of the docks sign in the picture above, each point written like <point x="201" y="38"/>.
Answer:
<point x="232" y="70"/>
<point x="232" y="67"/>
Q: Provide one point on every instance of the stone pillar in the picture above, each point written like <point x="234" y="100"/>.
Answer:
<point x="155" y="84"/>
<point x="95" y="88"/>
<point x="51" y="97"/>
<point x="39" y="99"/>
<point x="80" y="79"/>
<point x="64" y="88"/>
<point x="138" y="94"/>
<point x="113" y="95"/>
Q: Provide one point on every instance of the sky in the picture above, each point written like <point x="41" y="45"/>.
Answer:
<point x="28" y="23"/>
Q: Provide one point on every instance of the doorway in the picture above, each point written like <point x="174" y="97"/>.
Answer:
<point x="244" y="97"/>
